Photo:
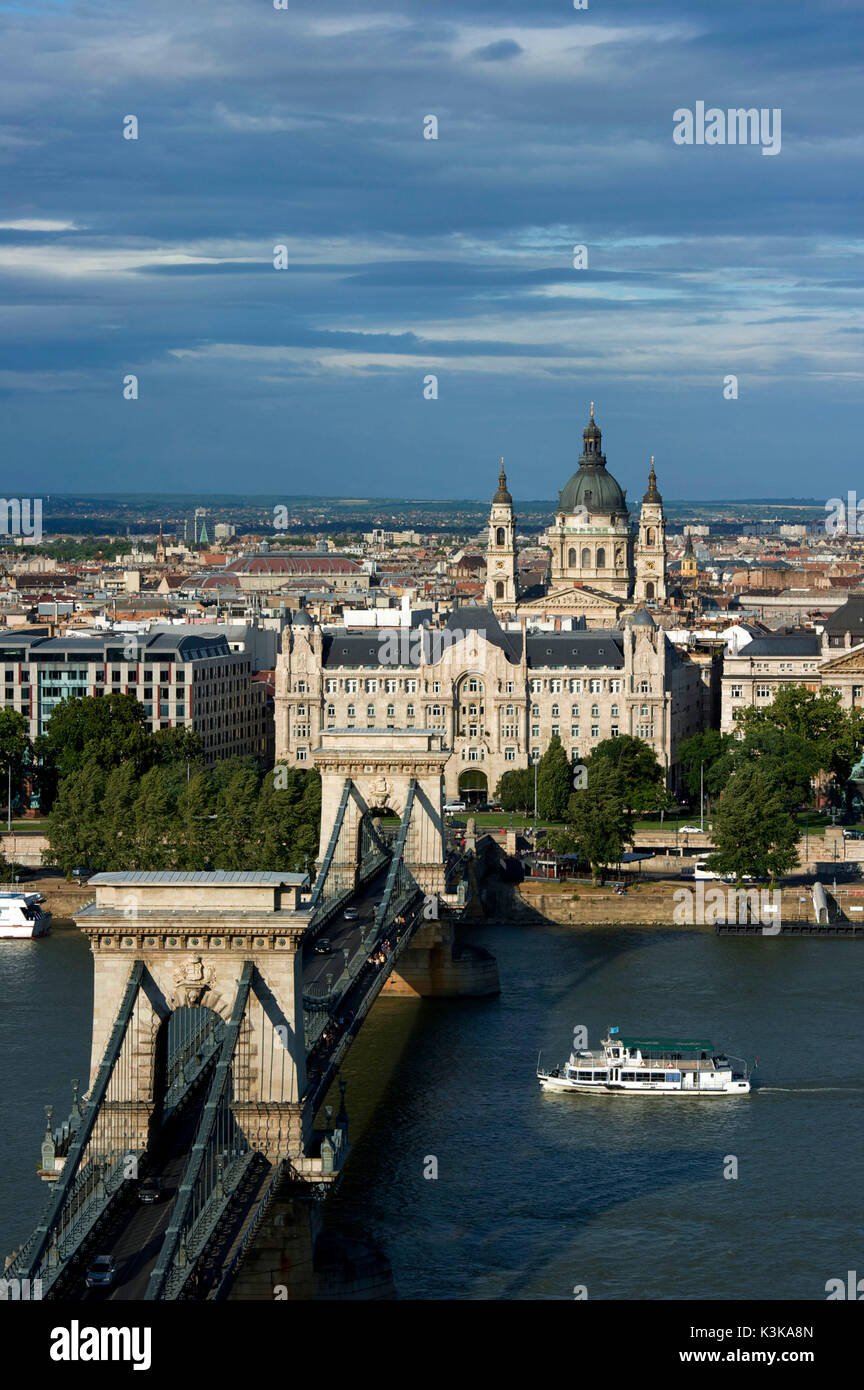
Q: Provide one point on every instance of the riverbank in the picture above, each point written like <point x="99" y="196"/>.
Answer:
<point x="62" y="899"/>
<point x="653" y="904"/>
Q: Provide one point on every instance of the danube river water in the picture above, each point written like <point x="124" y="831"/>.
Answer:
<point x="539" y="1195"/>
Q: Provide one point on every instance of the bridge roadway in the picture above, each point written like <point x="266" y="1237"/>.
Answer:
<point x="343" y="935"/>
<point x="136" y="1230"/>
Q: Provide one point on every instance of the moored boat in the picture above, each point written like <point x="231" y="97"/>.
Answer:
<point x="649" y="1066"/>
<point x="22" y="916"/>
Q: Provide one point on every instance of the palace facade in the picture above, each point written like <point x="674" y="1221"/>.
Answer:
<point x="497" y="695"/>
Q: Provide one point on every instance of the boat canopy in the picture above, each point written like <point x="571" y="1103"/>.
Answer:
<point x="665" y="1044"/>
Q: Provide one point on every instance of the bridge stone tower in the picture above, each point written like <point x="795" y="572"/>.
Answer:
<point x="194" y="932"/>
<point x="382" y="763"/>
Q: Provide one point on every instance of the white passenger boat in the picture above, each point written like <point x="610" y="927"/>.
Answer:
<point x="21" y="915"/>
<point x="649" y="1066"/>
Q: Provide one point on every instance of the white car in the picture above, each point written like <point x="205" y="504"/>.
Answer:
<point x="692" y="829"/>
<point x="454" y="806"/>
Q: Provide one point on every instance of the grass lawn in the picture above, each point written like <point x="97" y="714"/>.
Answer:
<point x="24" y="827"/>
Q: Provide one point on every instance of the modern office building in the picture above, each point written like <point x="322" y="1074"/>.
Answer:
<point x="188" y="680"/>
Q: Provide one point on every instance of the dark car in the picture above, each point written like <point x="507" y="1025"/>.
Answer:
<point x="101" y="1272"/>
<point x="150" y="1190"/>
<point x="80" y="873"/>
<point x="323" y="946"/>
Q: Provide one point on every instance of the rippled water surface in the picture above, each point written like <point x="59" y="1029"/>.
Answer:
<point x="536" y="1193"/>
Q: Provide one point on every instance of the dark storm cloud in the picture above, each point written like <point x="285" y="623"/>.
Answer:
<point x="497" y="52"/>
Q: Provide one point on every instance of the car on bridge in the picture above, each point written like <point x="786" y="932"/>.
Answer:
<point x="101" y="1272"/>
<point x="150" y="1190"/>
<point x="351" y="914"/>
<point x="323" y="946"/>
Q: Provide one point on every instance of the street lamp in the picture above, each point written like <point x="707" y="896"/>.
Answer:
<point x="535" y="758"/>
<point x="701" y="797"/>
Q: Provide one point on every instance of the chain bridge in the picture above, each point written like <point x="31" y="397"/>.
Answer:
<point x="223" y="1006"/>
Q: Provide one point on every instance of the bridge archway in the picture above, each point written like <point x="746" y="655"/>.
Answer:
<point x="380" y="765"/>
<point x="192" y="935"/>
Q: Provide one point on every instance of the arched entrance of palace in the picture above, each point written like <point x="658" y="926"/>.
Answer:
<point x="473" y="787"/>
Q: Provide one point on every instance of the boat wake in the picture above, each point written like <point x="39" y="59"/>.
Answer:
<point x="811" y="1090"/>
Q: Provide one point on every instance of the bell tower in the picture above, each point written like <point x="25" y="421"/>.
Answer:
<point x="500" y="590"/>
<point x="651" y="545"/>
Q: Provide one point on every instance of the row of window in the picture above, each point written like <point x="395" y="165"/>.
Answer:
<point x="391" y="685"/>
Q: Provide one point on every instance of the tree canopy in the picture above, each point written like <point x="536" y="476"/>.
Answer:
<point x="640" y="777"/>
<point x="598" y="826"/>
<point x="228" y="818"/>
<point x="755" y="835"/>
<point x="835" y="735"/>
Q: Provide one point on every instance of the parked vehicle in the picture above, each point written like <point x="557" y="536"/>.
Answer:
<point x="454" y="806"/>
<point x="853" y="834"/>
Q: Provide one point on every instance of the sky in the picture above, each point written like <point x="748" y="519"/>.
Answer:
<point x="409" y="258"/>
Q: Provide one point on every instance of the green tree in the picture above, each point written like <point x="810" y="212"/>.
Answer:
<point x="788" y="761"/>
<point x="177" y="745"/>
<point x="74" y="830"/>
<point x="836" y="735"/>
<point x="515" y="789"/>
<point x="633" y="762"/>
<point x="14" y="739"/>
<point x="197" y="823"/>
<point x="599" y="826"/>
<point x="117" y="819"/>
<point x="554" y="781"/>
<point x="709" y="750"/>
<point x="754" y="833"/>
<point x="109" y="729"/>
<point x="156" y="822"/>
<point x="235" y="809"/>
<point x="14" y="749"/>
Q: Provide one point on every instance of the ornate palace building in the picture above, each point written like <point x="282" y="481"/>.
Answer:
<point x="495" y="681"/>
<point x="496" y="695"/>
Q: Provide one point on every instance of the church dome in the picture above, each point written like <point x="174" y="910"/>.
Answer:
<point x="592" y="485"/>
<point x="640" y="618"/>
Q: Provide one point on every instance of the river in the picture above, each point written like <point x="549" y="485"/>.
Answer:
<point x="544" y="1196"/>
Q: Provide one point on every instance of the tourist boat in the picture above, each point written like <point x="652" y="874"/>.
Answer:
<point x="21" y="915"/>
<point x="649" y="1066"/>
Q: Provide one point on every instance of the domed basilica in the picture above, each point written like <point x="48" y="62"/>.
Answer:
<point x="603" y="562"/>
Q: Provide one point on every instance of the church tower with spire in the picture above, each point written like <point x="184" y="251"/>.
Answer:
<point x="500" y="590"/>
<point x="651" y="546"/>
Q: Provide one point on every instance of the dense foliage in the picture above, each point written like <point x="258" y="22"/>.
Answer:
<point x="229" y="818"/>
